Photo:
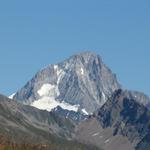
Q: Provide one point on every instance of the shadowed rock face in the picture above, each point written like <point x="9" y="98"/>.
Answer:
<point x="140" y="97"/>
<point x="144" y="144"/>
<point x="120" y="118"/>
<point x="81" y="80"/>
<point x="126" y="116"/>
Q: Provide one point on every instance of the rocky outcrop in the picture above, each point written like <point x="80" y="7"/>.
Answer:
<point x="121" y="118"/>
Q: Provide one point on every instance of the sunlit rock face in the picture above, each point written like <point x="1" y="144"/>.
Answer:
<point x="81" y="83"/>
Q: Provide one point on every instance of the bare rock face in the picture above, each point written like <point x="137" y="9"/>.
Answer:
<point x="144" y="144"/>
<point x="121" y="118"/>
<point x="126" y="116"/>
<point x="82" y="81"/>
<point x="140" y="97"/>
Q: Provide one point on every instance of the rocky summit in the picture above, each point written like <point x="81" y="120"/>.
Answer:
<point x="82" y="82"/>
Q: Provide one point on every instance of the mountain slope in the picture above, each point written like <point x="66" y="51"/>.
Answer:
<point x="127" y="117"/>
<point x="22" y="125"/>
<point x="122" y="123"/>
<point x="18" y="118"/>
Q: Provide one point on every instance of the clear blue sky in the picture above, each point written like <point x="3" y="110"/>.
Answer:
<point x="35" y="33"/>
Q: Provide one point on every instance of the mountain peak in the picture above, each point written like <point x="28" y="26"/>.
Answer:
<point x="86" y="56"/>
<point x="82" y="80"/>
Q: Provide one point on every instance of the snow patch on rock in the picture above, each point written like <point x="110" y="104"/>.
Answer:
<point x="84" y="111"/>
<point x="48" y="103"/>
<point x="59" y="72"/>
<point x="104" y="97"/>
<point x="55" y="67"/>
<point x="96" y="134"/>
<point x="82" y="71"/>
<point x="106" y="141"/>
<point x="48" y="99"/>
<point x="12" y="95"/>
<point x="48" y="90"/>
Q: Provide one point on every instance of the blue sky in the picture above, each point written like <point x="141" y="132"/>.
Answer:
<point x="35" y="33"/>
